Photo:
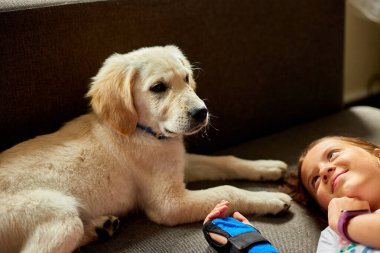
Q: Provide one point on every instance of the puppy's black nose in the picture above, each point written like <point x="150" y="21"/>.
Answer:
<point x="199" y="115"/>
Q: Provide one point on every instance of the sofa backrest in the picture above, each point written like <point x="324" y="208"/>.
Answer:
<point x="264" y="64"/>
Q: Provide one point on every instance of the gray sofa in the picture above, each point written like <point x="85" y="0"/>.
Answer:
<point x="271" y="72"/>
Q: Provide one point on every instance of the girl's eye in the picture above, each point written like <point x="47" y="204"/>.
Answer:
<point x="315" y="181"/>
<point x="158" y="88"/>
<point x="332" y="154"/>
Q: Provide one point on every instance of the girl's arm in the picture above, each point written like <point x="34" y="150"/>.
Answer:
<point x="364" y="229"/>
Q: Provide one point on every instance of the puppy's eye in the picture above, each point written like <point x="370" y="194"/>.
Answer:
<point x="187" y="79"/>
<point x="158" y="88"/>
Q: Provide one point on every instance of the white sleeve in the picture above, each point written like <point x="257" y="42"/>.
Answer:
<point x="328" y="242"/>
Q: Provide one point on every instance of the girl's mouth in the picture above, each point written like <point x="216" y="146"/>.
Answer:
<point x="335" y="180"/>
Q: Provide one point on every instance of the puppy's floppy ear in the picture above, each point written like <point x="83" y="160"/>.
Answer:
<point x="111" y="94"/>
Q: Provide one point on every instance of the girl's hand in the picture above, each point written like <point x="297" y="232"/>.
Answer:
<point x="336" y="205"/>
<point x="218" y="211"/>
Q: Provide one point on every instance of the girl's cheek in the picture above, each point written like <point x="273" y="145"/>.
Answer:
<point x="323" y="198"/>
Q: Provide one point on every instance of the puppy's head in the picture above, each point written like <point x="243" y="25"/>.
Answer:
<point x="153" y="86"/>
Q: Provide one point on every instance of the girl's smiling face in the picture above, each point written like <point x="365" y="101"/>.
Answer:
<point x="335" y="168"/>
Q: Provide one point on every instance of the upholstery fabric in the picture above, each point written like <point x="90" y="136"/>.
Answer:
<point x="14" y="5"/>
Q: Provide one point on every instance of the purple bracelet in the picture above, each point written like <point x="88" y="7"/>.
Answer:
<point x="344" y="218"/>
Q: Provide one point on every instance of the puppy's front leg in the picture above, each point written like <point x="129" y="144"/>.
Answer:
<point x="201" y="167"/>
<point x="177" y="207"/>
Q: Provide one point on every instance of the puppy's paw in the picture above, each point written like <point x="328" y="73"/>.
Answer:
<point x="105" y="226"/>
<point x="263" y="169"/>
<point x="269" y="202"/>
<point x="100" y="228"/>
<point x="271" y="169"/>
<point x="276" y="202"/>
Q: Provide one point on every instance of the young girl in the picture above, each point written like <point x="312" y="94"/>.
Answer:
<point x="342" y="175"/>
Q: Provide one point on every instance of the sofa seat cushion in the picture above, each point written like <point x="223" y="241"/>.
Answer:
<point x="296" y="231"/>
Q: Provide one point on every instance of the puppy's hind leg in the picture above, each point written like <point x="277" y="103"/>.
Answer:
<point x="43" y="221"/>
<point x="58" y="236"/>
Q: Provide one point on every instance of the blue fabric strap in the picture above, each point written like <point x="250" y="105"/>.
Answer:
<point x="243" y="236"/>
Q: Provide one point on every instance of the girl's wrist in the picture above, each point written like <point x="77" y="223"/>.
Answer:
<point x="344" y="219"/>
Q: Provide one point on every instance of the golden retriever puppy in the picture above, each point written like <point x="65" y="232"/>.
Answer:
<point x="58" y="191"/>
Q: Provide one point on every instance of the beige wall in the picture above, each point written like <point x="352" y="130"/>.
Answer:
<point x="362" y="54"/>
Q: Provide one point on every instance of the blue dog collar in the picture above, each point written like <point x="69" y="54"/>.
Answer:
<point x="151" y="132"/>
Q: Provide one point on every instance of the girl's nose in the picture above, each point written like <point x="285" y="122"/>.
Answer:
<point x="326" y="173"/>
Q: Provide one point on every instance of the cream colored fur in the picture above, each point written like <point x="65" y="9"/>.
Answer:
<point x="54" y="189"/>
